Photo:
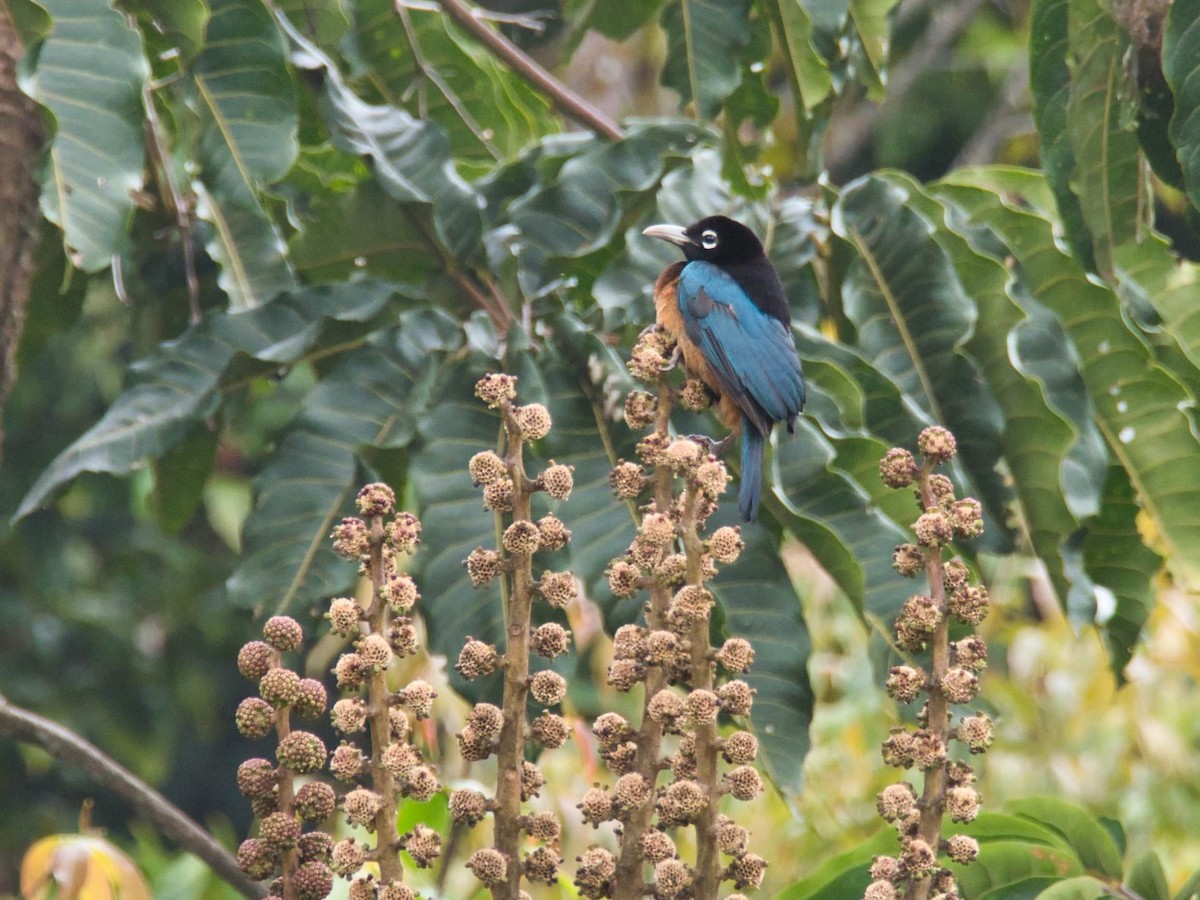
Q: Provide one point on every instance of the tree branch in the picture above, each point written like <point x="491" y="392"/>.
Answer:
<point x="561" y="96"/>
<point x="68" y="747"/>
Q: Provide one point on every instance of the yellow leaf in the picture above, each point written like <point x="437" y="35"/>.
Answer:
<point x="80" y="867"/>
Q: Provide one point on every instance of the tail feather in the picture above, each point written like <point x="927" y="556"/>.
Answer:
<point x="750" y="493"/>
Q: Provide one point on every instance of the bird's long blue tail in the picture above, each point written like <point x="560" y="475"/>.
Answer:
<point x="752" y="458"/>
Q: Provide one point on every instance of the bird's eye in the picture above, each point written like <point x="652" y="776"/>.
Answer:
<point x="708" y="240"/>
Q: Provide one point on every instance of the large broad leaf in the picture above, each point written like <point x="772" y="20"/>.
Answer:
<point x="1078" y="829"/>
<point x="704" y="39"/>
<point x="1050" y="84"/>
<point x="913" y="319"/>
<point x="90" y="74"/>
<point x="1181" y="66"/>
<point x="1107" y="176"/>
<point x="247" y="116"/>
<point x="1140" y="407"/>
<point x="178" y="384"/>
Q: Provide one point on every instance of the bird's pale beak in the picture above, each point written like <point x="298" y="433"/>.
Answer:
<point x="676" y="234"/>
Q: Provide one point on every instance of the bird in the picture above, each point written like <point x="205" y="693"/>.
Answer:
<point x="727" y="311"/>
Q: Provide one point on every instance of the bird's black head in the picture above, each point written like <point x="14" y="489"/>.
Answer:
<point x="715" y="239"/>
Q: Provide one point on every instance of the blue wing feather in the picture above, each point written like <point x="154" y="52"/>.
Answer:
<point x="751" y="353"/>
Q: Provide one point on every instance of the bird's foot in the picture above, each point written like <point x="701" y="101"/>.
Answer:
<point x="676" y="355"/>
<point x="649" y="329"/>
<point x="712" y="447"/>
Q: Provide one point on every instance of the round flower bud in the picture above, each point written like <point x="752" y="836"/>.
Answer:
<point x="467" y="807"/>
<point x="918" y="859"/>
<point x="640" y="410"/>
<point x="550" y="640"/>
<point x="700" y="707"/>
<point x="399" y="758"/>
<point x="662" y="646"/>
<point x="908" y="560"/>
<point x="684" y="455"/>
<point x="967" y="518"/>
<point x="488" y="866"/>
<point x="350" y="671"/>
<point x="395" y="890"/>
<point x="666" y="706"/>
<point x="937" y="443"/>
<point x="283" y="633"/>
<point x="747" y="870"/>
<point x="919" y="617"/>
<point x="495" y="388"/>
<point x="596" y="806"/>
<point x="970" y="653"/>
<point x="482" y="566"/>
<point x="486" y="468"/>
<point x="610" y="729"/>
<point x="885" y="868"/>
<point x="630" y="792"/>
<point x="962" y="849"/>
<point x="955" y="574"/>
<point x="348" y="857"/>
<point x="897" y="469"/>
<point x="256" y="858"/>
<point x="315" y="801"/>
<point x="736" y="697"/>
<point x="376" y="499"/>
<point x="420" y="783"/>
<point x="347" y="763"/>
<point x="256" y="777"/>
<point x="498" y="496"/>
<point x="542" y="826"/>
<point x="522" y="538"/>
<point x="629" y="642"/>
<point x="548" y="687"/>
<point x="657" y="529"/>
<point x="532" y="780"/>
<point x="976" y="732"/>
<point x="418" y="696"/>
<point x="487" y="719"/>
<point x="744" y="782"/>
<point x="712" y="478"/>
<point x="351" y="538"/>
<point x="424" y="845"/>
<point x="255" y="718"/>
<point x="726" y="544"/>
<point x="473" y="746"/>
<point x="895" y="801"/>
<point x="740" y="748"/>
<point x="312" y="700"/>
<point x="360" y="806"/>
<point x="681" y="802"/>
<point x="476" y="659"/>
<point x="627" y="480"/>
<point x="552" y="534"/>
<point x="399" y="727"/>
<point x="264" y="805"/>
<point x="657" y="846"/>
<point x="690" y="605"/>
<point x="969" y="604"/>
<point x="557" y="481"/>
<point x="881" y="890"/>
<point x="941" y="489"/>
<point x="647" y="362"/>
<point x="695" y="395"/>
<point x="736" y="655"/>
<point x="280" y="830"/>
<point x="255" y="660"/>
<point x="374" y="652"/>
<point x="550" y="731"/>
<point x="301" y="752"/>
<point x="402" y="637"/>
<point x="280" y="687"/>
<point x="596" y="869"/>
<point x="363" y="889"/>
<point x="933" y="529"/>
<point x="904" y="683"/>
<point x="401" y="593"/>
<point x="623" y="578"/>
<point x="315" y="846"/>
<point x="671" y="879"/>
<point x="533" y="420"/>
<point x="343" y="616"/>
<point x="620" y="757"/>
<point x="557" y="588"/>
<point x="541" y="864"/>
<point x="929" y="750"/>
<point x="624" y="674"/>
<point x="960" y="685"/>
<point x="898" y="749"/>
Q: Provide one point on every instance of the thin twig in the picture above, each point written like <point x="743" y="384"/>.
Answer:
<point x="561" y="96"/>
<point x="66" y="746"/>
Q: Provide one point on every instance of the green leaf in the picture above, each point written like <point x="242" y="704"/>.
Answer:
<point x="1009" y="870"/>
<point x="913" y="320"/>
<point x="182" y="21"/>
<point x="1078" y="829"/>
<point x="1024" y="889"/>
<point x="1181" y="66"/>
<point x="844" y="875"/>
<point x="704" y="39"/>
<point x="247" y="115"/>
<point x="809" y="78"/>
<point x="90" y="74"/>
<point x="1147" y="879"/>
<point x="180" y="475"/>
<point x="1140" y="407"/>
<point x="371" y="399"/>
<point x="1148" y="271"/>
<point x="1082" y="888"/>
<point x="619" y="19"/>
<point x="1191" y="888"/>
<point x="1106" y="179"/>
<point x="1050" y="83"/>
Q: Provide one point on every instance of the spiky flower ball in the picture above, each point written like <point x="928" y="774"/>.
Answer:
<point x="351" y="538"/>
<point x="550" y="731"/>
<point x="671" y="879"/>
<point x="283" y="633"/>
<point x="736" y="655"/>
<point x="548" y="687"/>
<point x="541" y="864"/>
<point x="629" y="642"/>
<point x="657" y="846"/>
<point x="550" y="640"/>
<point x="315" y="845"/>
<point x="640" y="410"/>
<point x="476" y="659"/>
<point x="976" y="732"/>
<point x="898" y="749"/>
<point x="418" y="696"/>
<point x="420" y="783"/>
<point x="919" y="618"/>
<point x="933" y="529"/>
<point x="315" y="801"/>
<point x="744" y="782"/>
<point x="255" y="660"/>
<point x="666" y="706"/>
<point x="256" y="858"/>
<point x="557" y="588"/>
<point x="895" y="801"/>
<point x="596" y="868"/>
<point x="482" y="566"/>
<point x="312" y="699"/>
<point x="521" y="538"/>
<point x="376" y="499"/>
<point x="969" y="604"/>
<point x="624" y="578"/>
<point x="908" y="560"/>
<point x="256" y="777"/>
<point x="962" y="849"/>
<point x="532" y="780"/>
<point x="918" y="859"/>
<point x="736" y="697"/>
<point x="596" y="806"/>
<point x="533" y="420"/>
<point x="467" y="807"/>
<point x="695" y="395"/>
<point x="374" y="652"/>
<point x="302" y="752"/>
<point x="255" y="717"/>
<point x="498" y="496"/>
<point x="627" y="480"/>
<point x="747" y="870"/>
<point x="423" y="844"/>
<point x="684" y="455"/>
<point x="542" y="826"/>
<point x="881" y="890"/>
<point x="553" y="532"/>
<point x="726" y="544"/>
<point x="898" y="468"/>
<point x="495" y="388"/>
<point x="700" y="707"/>
<point x="657" y="529"/>
<point x="960" y="685"/>
<point x="348" y="857"/>
<point x="401" y="593"/>
<point x="360" y="806"/>
<point x="399" y="758"/>
<point x="937" y="443"/>
<point x="486" y="468"/>
<point x="280" y="687"/>
<point x="350" y="671"/>
<point x="904" y="683"/>
<point x="488" y="865"/>
<point x="557" y="480"/>
<point x="970" y="653"/>
<point x="691" y="604"/>
<point x="681" y="802"/>
<point x="610" y="728"/>
<point x="624" y="674"/>
<point x="347" y="763"/>
<point x="740" y="748"/>
<point x="712" y="478"/>
<point x="344" y="614"/>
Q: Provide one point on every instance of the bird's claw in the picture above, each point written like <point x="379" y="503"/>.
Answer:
<point x="712" y="447"/>
<point x="649" y="329"/>
<point x="671" y="363"/>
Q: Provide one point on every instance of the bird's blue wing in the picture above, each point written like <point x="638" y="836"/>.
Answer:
<point x="752" y="354"/>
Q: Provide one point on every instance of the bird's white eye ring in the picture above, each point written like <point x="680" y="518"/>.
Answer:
<point x="708" y="240"/>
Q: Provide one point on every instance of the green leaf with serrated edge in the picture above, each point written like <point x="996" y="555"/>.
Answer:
<point x="1107" y="177"/>
<point x="913" y="320"/>
<point x="844" y="875"/>
<point x="1117" y="559"/>
<point x="1140" y="407"/>
<point x="1181" y="66"/>
<point x="411" y="158"/>
<point x="371" y="398"/>
<point x="1050" y="84"/>
<point x="417" y="60"/>
<point x="177" y="385"/>
<point x="704" y="39"/>
<point x="1078" y="829"/>
<point x="246" y="104"/>
<point x="1147" y="879"/>
<point x="90" y="73"/>
<point x="1037" y="443"/>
